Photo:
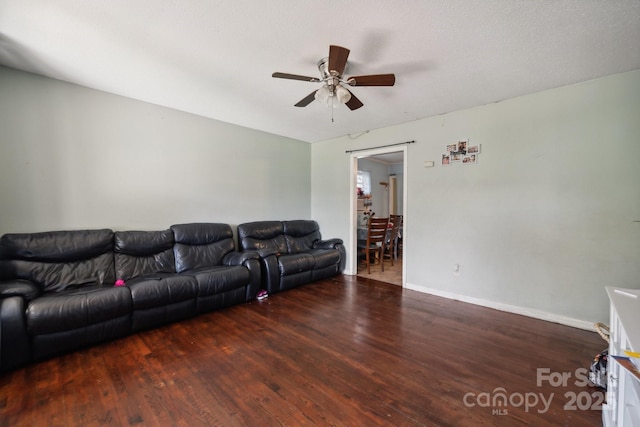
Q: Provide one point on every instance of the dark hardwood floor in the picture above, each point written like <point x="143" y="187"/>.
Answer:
<point x="346" y="351"/>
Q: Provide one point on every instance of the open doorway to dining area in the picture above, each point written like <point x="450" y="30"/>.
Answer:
<point x="379" y="178"/>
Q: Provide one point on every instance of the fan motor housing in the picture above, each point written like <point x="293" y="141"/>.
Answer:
<point x="323" y="67"/>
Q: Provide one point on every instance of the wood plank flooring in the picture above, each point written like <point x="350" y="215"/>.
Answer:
<point x="346" y="351"/>
<point x="391" y="274"/>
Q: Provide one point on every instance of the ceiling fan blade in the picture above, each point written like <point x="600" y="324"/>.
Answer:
<point x="307" y="99"/>
<point x="373" y="80"/>
<point x="338" y="58"/>
<point x="354" y="103"/>
<point x="295" y="77"/>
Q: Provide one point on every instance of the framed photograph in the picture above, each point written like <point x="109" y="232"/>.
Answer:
<point x="446" y="160"/>
<point x="462" y="146"/>
<point x="473" y="149"/>
<point x="470" y="159"/>
<point x="451" y="148"/>
<point x="456" y="156"/>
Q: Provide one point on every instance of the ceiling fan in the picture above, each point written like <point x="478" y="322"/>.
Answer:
<point x="333" y="90"/>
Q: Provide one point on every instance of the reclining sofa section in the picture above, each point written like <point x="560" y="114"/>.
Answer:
<point x="57" y="289"/>
<point x="292" y="252"/>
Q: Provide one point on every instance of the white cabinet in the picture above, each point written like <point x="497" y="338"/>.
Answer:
<point x="623" y="388"/>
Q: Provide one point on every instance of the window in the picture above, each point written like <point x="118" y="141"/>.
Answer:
<point x="364" y="182"/>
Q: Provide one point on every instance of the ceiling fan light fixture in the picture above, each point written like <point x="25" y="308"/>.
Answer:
<point x="323" y="94"/>
<point x="342" y="94"/>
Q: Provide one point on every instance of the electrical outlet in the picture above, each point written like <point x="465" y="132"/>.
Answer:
<point x="456" y="269"/>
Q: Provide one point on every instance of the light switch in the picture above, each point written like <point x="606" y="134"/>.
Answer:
<point x="429" y="164"/>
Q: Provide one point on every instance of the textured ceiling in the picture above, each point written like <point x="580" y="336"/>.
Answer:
<point x="215" y="58"/>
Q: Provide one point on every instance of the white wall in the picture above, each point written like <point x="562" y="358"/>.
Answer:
<point x="548" y="217"/>
<point x="73" y="157"/>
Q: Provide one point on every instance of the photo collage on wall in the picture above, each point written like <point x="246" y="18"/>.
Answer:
<point x="461" y="152"/>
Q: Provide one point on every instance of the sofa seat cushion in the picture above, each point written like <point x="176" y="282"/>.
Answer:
<point x="76" y="308"/>
<point x="219" y="279"/>
<point x="161" y="289"/>
<point x="295" y="263"/>
<point x="325" y="257"/>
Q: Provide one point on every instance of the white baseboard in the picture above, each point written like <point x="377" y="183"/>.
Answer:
<point x="530" y="312"/>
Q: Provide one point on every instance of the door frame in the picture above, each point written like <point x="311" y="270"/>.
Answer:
<point x="352" y="264"/>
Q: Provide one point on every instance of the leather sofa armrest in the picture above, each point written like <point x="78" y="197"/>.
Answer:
<point x="271" y="273"/>
<point x="15" y="350"/>
<point x="266" y="252"/>
<point x="239" y="258"/>
<point x="250" y="260"/>
<point x="334" y="244"/>
<point x="19" y="288"/>
<point x="327" y="244"/>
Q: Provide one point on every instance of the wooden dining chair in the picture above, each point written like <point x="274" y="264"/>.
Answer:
<point x="397" y="241"/>
<point x="391" y="240"/>
<point x="374" y="246"/>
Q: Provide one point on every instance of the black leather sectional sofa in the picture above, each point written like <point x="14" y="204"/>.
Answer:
<point x="63" y="290"/>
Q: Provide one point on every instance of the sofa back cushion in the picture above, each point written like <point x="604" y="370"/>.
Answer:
<point x="141" y="253"/>
<point x="56" y="260"/>
<point x="300" y="235"/>
<point x="201" y="244"/>
<point x="264" y="237"/>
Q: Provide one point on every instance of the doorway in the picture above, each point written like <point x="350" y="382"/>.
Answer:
<point x="388" y="169"/>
